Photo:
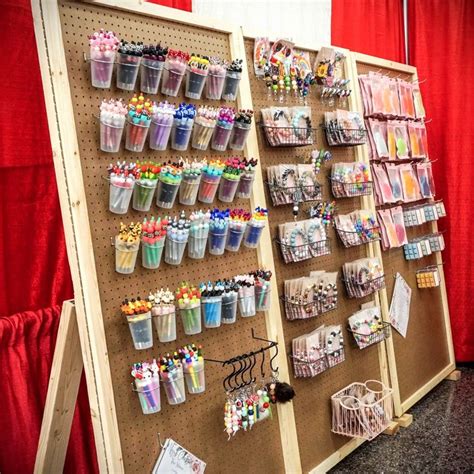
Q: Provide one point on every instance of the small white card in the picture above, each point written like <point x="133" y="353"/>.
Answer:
<point x="174" y="459"/>
<point x="400" y="305"/>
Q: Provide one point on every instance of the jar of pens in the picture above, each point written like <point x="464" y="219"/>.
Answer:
<point x="232" y="80"/>
<point x="112" y="122"/>
<point x="128" y="62"/>
<point x="177" y="234"/>
<point x="204" y="126"/>
<point x="191" y="177"/>
<point x="169" y="180"/>
<point x="247" y="178"/>
<point x="172" y="379"/>
<point x="255" y="228"/>
<point x="182" y="126"/>
<point x="196" y="74"/>
<point x="138" y="314"/>
<point x="152" y="64"/>
<point x="126" y="247"/>
<point x="173" y="72"/>
<point x="230" y="179"/>
<point x="145" y="186"/>
<point x="122" y="179"/>
<point x="211" y="176"/>
<point x="163" y="313"/>
<point x="246" y="295"/>
<point x="103" y="47"/>
<point x="238" y="220"/>
<point x="262" y="290"/>
<point x="215" y="78"/>
<point x="153" y="242"/>
<point x="218" y="228"/>
<point x="241" y="129"/>
<point x="229" y="302"/>
<point x="223" y="129"/>
<point x="146" y="382"/>
<point x="211" y="303"/>
<point x="189" y="304"/>
<point x="162" y="117"/>
<point x="198" y="234"/>
<point x="138" y="123"/>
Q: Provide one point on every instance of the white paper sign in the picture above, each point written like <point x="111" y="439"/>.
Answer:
<point x="400" y="305"/>
<point x="174" y="459"/>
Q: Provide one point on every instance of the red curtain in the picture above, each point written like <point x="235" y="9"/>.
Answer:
<point x="372" y="27"/>
<point x="441" y="45"/>
<point x="180" y="4"/>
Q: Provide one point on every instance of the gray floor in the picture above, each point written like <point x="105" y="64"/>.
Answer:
<point x="440" y="439"/>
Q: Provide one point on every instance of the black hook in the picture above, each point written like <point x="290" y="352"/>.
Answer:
<point x="239" y="370"/>
<point x="229" y="387"/>
<point x="271" y="360"/>
<point x="254" y="363"/>
<point x="261" y="365"/>
<point x="244" y="383"/>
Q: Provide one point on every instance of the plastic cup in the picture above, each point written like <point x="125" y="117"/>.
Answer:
<point x="141" y="330"/>
<point x="212" y="311"/>
<point x="221" y="137"/>
<point x="215" y="85"/>
<point x="120" y="195"/>
<point x="173" y="383"/>
<point x="125" y="255"/>
<point x="208" y="188"/>
<point x="229" y="308"/>
<point x="201" y="136"/>
<point x="151" y="254"/>
<point x="197" y="247"/>
<point x="148" y="391"/>
<point x="110" y="137"/>
<point x="239" y="135"/>
<point x="194" y="376"/>
<point x="166" y="194"/>
<point x="234" y="239"/>
<point x="143" y="195"/>
<point x="174" y="251"/>
<point x="195" y="80"/>
<point x="180" y="135"/>
<point x="159" y="135"/>
<point x="191" y="319"/>
<point x="262" y="297"/>
<point x="228" y="188"/>
<point x="102" y="67"/>
<point x="150" y="75"/>
<point x="165" y="322"/>
<point x="217" y="241"/>
<point x="231" y="85"/>
<point x="127" y="71"/>
<point x="135" y="136"/>
<point x="246" y="301"/>
<point x="244" y="190"/>
<point x="173" y="73"/>
<point x="252" y="235"/>
<point x="188" y="189"/>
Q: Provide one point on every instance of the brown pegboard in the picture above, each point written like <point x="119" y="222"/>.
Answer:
<point x="198" y="424"/>
<point x="424" y="353"/>
<point x="312" y="403"/>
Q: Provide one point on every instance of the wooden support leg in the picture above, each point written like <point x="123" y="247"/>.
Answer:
<point x="405" y="420"/>
<point x="392" y="428"/>
<point x="62" y="395"/>
<point x="455" y="375"/>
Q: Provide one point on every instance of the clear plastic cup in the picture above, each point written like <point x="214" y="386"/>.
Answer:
<point x="159" y="135"/>
<point x="240" y="132"/>
<point x="246" y="301"/>
<point x="191" y="319"/>
<point x="148" y="391"/>
<point x="165" y="322"/>
<point x="217" y="240"/>
<point x="125" y="255"/>
<point x="102" y="67"/>
<point x="173" y="383"/>
<point x="135" y="136"/>
<point x="197" y="247"/>
<point x="173" y="73"/>
<point x="229" y="308"/>
<point x="141" y="330"/>
<point x="188" y="189"/>
<point x="262" y="297"/>
<point x="231" y="85"/>
<point x="166" y="194"/>
<point x="220" y="137"/>
<point x="174" y="251"/>
<point x="234" y="239"/>
<point x="208" y="188"/>
<point x="127" y="71"/>
<point x="252" y="235"/>
<point x="143" y="196"/>
<point x="212" y="311"/>
<point x="228" y="188"/>
<point x="202" y="136"/>
<point x="150" y="75"/>
<point x="180" y="135"/>
<point x="110" y="137"/>
<point x="215" y="85"/>
<point x="194" y="376"/>
<point x="120" y="195"/>
<point x="244" y="191"/>
<point x="151" y="254"/>
<point x="195" y="80"/>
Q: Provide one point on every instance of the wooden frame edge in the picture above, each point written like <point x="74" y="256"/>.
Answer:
<point x="337" y="456"/>
<point x="385" y="63"/>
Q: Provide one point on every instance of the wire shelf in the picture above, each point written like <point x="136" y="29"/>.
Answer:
<point x="337" y="136"/>
<point x="346" y="190"/>
<point x="298" y="253"/>
<point x="282" y="195"/>
<point x="357" y="289"/>
<point x="306" y="368"/>
<point x="366" y="340"/>
<point x="299" y="310"/>
<point x="353" y="238"/>
<point x="289" y="136"/>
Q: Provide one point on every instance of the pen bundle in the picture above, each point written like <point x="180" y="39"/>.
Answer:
<point x="423" y="246"/>
<point x="112" y="121"/>
<point x="310" y="296"/>
<point x="211" y="176"/>
<point x="145" y="186"/>
<point x="152" y="64"/>
<point x="417" y="215"/>
<point x="247" y="177"/>
<point x="198" y="233"/>
<point x="215" y="78"/>
<point x="392" y="225"/>
<point x="241" y="130"/>
<point x="428" y="277"/>
<point x="163" y="313"/>
<point x="138" y="314"/>
<point x="262" y="280"/>
<point x="238" y="220"/>
<point x="358" y="227"/>
<point x="162" y="117"/>
<point x="232" y="80"/>
<point x="153" y="241"/>
<point x="138" y="123"/>
<point x="103" y="47"/>
<point x="255" y="227"/>
<point x="191" y="177"/>
<point x="122" y="178"/>
<point x="177" y="234"/>
<point x="189" y="304"/>
<point x="169" y="180"/>
<point x="344" y="128"/>
<point x="303" y="240"/>
<point x="126" y="247"/>
<point x="230" y="179"/>
<point x="146" y="383"/>
<point x="218" y="229"/>
<point x="196" y="75"/>
<point x="223" y="128"/>
<point x="246" y="295"/>
<point x="363" y="277"/>
<point x="318" y="351"/>
<point x="350" y="179"/>
<point x="175" y="67"/>
<point x="182" y="126"/>
<point x="193" y="367"/>
<point x="367" y="327"/>
<point x="211" y="302"/>
<point x="128" y="62"/>
<point x="204" y="124"/>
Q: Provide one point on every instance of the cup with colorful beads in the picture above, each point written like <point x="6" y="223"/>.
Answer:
<point x="147" y="385"/>
<point x="193" y="367"/>
<point x="138" y="123"/>
<point x="189" y="303"/>
<point x="230" y="179"/>
<point x="223" y="129"/>
<point x="196" y="74"/>
<point x="163" y="313"/>
<point x="103" y="47"/>
<point x="237" y="224"/>
<point x="126" y="245"/>
<point x="262" y="289"/>
<point x="255" y="227"/>
<point x="215" y="78"/>
<point x="241" y="129"/>
<point x="211" y="176"/>
<point x="229" y="302"/>
<point x="246" y="295"/>
<point x="162" y="117"/>
<point x="128" y="62"/>
<point x="232" y="80"/>
<point x="177" y="234"/>
<point x="204" y="125"/>
<point x="112" y="122"/>
<point x="145" y="186"/>
<point x="153" y="242"/>
<point x="198" y="234"/>
<point x="138" y="314"/>
<point x="211" y="303"/>
<point x="182" y="126"/>
<point x="247" y="178"/>
<point x="153" y="61"/>
<point x="122" y="179"/>
<point x="191" y="177"/>
<point x="172" y="379"/>
<point x="175" y="67"/>
<point x="218" y="228"/>
<point x="169" y="180"/>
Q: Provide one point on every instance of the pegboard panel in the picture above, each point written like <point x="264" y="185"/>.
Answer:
<point x="312" y="402"/>
<point x="424" y="353"/>
<point x="198" y="423"/>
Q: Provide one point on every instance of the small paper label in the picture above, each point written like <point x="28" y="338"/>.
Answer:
<point x="400" y="305"/>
